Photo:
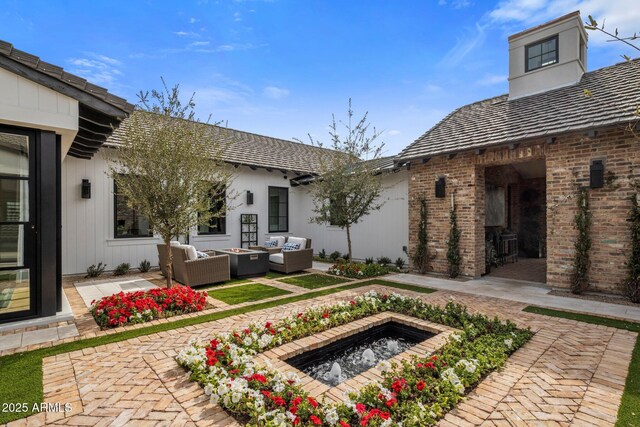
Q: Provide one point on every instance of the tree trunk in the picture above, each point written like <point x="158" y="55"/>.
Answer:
<point x="349" y="243"/>
<point x="169" y="266"/>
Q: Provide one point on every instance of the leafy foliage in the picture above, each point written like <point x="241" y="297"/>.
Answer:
<point x="358" y="270"/>
<point x="400" y="262"/>
<point x="122" y="269"/>
<point x="169" y="166"/>
<point x="384" y="260"/>
<point x="95" y="270"/>
<point x="144" y="266"/>
<point x="632" y="282"/>
<point x="322" y="254"/>
<point x="581" y="262"/>
<point x="334" y="255"/>
<point x="420" y="256"/>
<point x="453" y="245"/>
<point x="348" y="189"/>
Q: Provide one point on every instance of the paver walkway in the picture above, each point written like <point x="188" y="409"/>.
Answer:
<point x="569" y="373"/>
<point x="525" y="292"/>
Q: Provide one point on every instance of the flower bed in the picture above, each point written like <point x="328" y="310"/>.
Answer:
<point x="142" y="306"/>
<point x="416" y="393"/>
<point x="357" y="270"/>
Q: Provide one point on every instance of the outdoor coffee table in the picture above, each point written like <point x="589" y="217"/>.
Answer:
<point x="246" y="262"/>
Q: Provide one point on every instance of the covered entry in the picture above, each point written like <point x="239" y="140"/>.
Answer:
<point x="515" y="221"/>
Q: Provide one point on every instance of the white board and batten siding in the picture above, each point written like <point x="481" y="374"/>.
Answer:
<point x="88" y="224"/>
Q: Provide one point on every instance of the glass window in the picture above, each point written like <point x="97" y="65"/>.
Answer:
<point x="217" y="224"/>
<point x="278" y="209"/>
<point x="542" y="53"/>
<point x="14" y="200"/>
<point x="14" y="160"/>
<point x="14" y="291"/>
<point x="127" y="221"/>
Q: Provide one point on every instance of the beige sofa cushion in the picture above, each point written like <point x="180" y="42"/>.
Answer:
<point x="279" y="239"/>
<point x="277" y="258"/>
<point x="301" y="240"/>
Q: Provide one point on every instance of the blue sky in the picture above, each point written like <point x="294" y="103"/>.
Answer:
<point x="283" y="67"/>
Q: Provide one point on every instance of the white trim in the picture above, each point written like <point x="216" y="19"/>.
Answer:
<point x="133" y="241"/>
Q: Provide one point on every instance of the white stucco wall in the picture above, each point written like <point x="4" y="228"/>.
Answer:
<point x="567" y="71"/>
<point x="28" y="104"/>
<point x="87" y="224"/>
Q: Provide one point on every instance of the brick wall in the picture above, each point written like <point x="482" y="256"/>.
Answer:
<point x="567" y="165"/>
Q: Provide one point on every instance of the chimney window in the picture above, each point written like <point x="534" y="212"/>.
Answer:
<point x="542" y="53"/>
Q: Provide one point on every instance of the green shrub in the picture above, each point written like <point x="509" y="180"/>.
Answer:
<point x="581" y="261"/>
<point x="631" y="285"/>
<point x="400" y="263"/>
<point x="144" y="266"/>
<point x="322" y="254"/>
<point x="357" y="270"/>
<point x="453" y="245"/>
<point x="334" y="255"/>
<point x="121" y="269"/>
<point x="368" y="260"/>
<point x="345" y="256"/>
<point x="383" y="260"/>
<point x="420" y="256"/>
<point x="95" y="270"/>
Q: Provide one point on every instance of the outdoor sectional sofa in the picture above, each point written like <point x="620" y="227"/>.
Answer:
<point x="284" y="261"/>
<point x="190" y="270"/>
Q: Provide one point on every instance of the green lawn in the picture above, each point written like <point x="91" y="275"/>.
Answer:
<point x="314" y="281"/>
<point x="629" y="412"/>
<point x="21" y="373"/>
<point x="209" y="288"/>
<point x="276" y="274"/>
<point x="245" y="293"/>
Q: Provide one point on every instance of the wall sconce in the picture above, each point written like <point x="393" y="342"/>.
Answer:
<point x="441" y="187"/>
<point x="249" y="197"/>
<point x="85" y="192"/>
<point x="596" y="174"/>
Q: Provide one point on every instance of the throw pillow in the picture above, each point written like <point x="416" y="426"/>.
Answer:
<point x="202" y="254"/>
<point x="271" y="244"/>
<point x="290" y="247"/>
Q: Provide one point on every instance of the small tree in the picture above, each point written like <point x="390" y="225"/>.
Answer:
<point x="453" y="245"/>
<point x="348" y="189"/>
<point x="420" y="256"/>
<point x="169" y="166"/>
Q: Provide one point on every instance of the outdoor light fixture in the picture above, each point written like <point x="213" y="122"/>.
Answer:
<point x="440" y="187"/>
<point x="596" y="174"/>
<point x="249" y="197"/>
<point x="85" y="192"/>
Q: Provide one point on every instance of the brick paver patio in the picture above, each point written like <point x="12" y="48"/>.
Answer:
<point x="569" y="373"/>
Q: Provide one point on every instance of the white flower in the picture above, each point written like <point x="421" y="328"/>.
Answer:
<point x="383" y="365"/>
<point x="432" y="414"/>
<point x="508" y="342"/>
<point x="455" y="337"/>
<point x="214" y="399"/>
<point x="208" y="389"/>
<point x="331" y="416"/>
<point x="278" y="388"/>
<point x="247" y="341"/>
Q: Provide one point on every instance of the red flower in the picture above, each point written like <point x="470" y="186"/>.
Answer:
<point x="385" y="415"/>
<point x="260" y="378"/>
<point x="360" y="408"/>
<point x="398" y="385"/>
<point x="266" y="393"/>
<point x="390" y="402"/>
<point x="352" y="302"/>
<point x="312" y="402"/>
<point x="421" y="385"/>
<point x="267" y="325"/>
<point x="317" y="421"/>
<point x="296" y="421"/>
<point x="296" y="401"/>
<point x="247" y="331"/>
<point x="325" y="314"/>
<point x="343" y="424"/>
<point x="279" y="401"/>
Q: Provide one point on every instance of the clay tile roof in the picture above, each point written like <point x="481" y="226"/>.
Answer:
<point x="497" y="121"/>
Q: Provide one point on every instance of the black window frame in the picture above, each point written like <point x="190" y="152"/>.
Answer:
<point x="286" y="203"/>
<point x="115" y="219"/>
<point x="540" y="42"/>
<point x="221" y="220"/>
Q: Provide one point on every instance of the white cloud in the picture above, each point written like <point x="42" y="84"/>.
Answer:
<point x="96" y="68"/>
<point x="432" y="88"/>
<point x="200" y="43"/>
<point x="275" y="92"/>
<point x="492" y="79"/>
<point x="621" y="14"/>
<point x="193" y="20"/>
<point x="190" y="34"/>
<point x="456" y="4"/>
<point x="466" y="42"/>
<point x="394" y="132"/>
<point x="237" y="17"/>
